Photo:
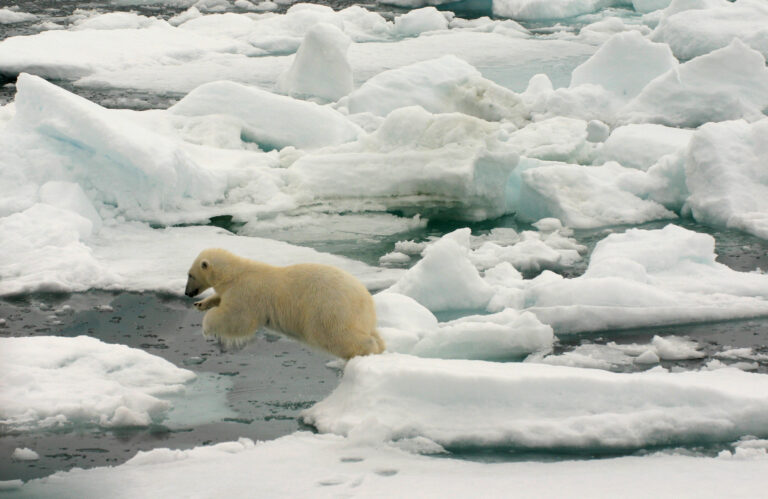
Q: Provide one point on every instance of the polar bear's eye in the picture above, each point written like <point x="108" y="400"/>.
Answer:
<point x="204" y="265"/>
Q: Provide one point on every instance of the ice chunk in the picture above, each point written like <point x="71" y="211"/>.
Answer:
<point x="672" y="348"/>
<point x="320" y="68"/>
<point x="449" y="164"/>
<point x="624" y="64"/>
<point x="418" y="21"/>
<point x="584" y="102"/>
<point x="641" y="146"/>
<point x="122" y="164"/>
<point x="478" y="404"/>
<point x="71" y="54"/>
<point x="51" y="382"/>
<point x="646" y="278"/>
<point x="726" y="175"/>
<point x="534" y="10"/>
<point x="43" y="249"/>
<point x="615" y="356"/>
<point x="555" y="139"/>
<point x="694" y="32"/>
<point x="533" y="252"/>
<point x="12" y="16"/>
<point x="646" y="6"/>
<point x="25" y="454"/>
<point x="583" y="196"/>
<point x="504" y="335"/>
<point x="648" y="357"/>
<point x="270" y="120"/>
<point x="409" y="327"/>
<point x="445" y="279"/>
<point x="728" y="83"/>
<point x="597" y="131"/>
<point x="441" y="85"/>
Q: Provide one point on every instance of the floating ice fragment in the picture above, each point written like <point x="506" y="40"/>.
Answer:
<point x="12" y="16"/>
<point x="25" y="454"/>
<point x="444" y="279"/>
<point x="59" y="382"/>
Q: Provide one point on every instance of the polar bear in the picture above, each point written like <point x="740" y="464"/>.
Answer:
<point x="320" y="305"/>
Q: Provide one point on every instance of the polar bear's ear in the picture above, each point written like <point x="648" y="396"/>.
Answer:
<point x="204" y="264"/>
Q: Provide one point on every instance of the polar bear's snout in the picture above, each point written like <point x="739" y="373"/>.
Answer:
<point x="192" y="288"/>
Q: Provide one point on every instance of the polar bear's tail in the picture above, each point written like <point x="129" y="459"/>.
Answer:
<point x="379" y="341"/>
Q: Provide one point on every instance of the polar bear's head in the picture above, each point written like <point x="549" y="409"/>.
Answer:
<point x="202" y="273"/>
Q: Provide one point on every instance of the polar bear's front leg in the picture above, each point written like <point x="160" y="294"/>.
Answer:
<point x="231" y="326"/>
<point x="210" y="302"/>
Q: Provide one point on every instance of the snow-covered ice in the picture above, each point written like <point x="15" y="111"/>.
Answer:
<point x="51" y="382"/>
<point x="464" y="403"/>
<point x="725" y="173"/>
<point x="304" y="464"/>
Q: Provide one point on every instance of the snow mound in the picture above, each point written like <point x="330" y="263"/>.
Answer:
<point x="463" y="403"/>
<point x="320" y="68"/>
<point x="52" y="382"/>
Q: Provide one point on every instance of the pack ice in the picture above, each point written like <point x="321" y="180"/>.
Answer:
<point x="336" y="120"/>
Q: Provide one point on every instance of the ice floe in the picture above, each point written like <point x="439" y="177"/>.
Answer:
<point x="644" y="278"/>
<point x="306" y="464"/>
<point x="409" y="327"/>
<point x="52" y="382"/>
<point x="464" y="403"/>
